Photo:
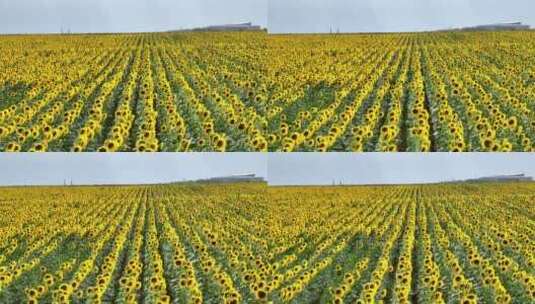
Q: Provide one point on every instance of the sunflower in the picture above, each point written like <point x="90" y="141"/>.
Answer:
<point x="38" y="147"/>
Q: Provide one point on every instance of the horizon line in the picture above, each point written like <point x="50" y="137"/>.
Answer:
<point x="268" y="184"/>
<point x="266" y="28"/>
<point x="198" y="28"/>
<point x="264" y="182"/>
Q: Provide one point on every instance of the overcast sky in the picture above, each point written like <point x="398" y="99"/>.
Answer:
<point x="38" y="16"/>
<point x="124" y="168"/>
<point x="50" y="16"/>
<point x="392" y="168"/>
<point x="392" y="15"/>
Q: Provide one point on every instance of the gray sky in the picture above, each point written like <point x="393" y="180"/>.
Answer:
<point x="124" y="168"/>
<point x="392" y="15"/>
<point x="277" y="168"/>
<point x="38" y="16"/>
<point x="392" y="168"/>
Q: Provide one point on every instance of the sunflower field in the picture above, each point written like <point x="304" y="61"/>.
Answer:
<point x="248" y="243"/>
<point x="251" y="91"/>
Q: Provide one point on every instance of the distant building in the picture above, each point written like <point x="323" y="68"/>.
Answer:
<point x="238" y="27"/>
<point x="508" y="26"/>
<point x="247" y="26"/>
<point x="502" y="178"/>
<point x="238" y="178"/>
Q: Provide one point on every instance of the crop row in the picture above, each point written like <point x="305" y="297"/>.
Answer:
<point x="258" y="92"/>
<point x="244" y="243"/>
